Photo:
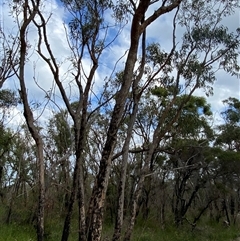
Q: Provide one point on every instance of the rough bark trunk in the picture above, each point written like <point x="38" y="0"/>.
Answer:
<point x="78" y="182"/>
<point x="122" y="183"/>
<point x="95" y="212"/>
<point x="1" y="176"/>
<point x="41" y="199"/>
<point x="145" y="171"/>
<point x="81" y="208"/>
<point x="77" y="189"/>
<point x="136" y="95"/>
<point x="66" y="227"/>
<point x="226" y="211"/>
<point x="134" y="208"/>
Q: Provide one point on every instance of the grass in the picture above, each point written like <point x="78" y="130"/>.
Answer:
<point x="145" y="231"/>
<point x="14" y="232"/>
<point x="205" y="232"/>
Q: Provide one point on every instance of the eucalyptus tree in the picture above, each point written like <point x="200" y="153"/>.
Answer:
<point x="87" y="21"/>
<point x="5" y="143"/>
<point x="59" y="150"/>
<point x="8" y="100"/>
<point x="190" y="134"/>
<point x="194" y="64"/>
<point x="29" y="12"/>
<point x="188" y="66"/>
<point x="9" y="54"/>
<point x="21" y="179"/>
<point x="229" y="131"/>
<point x="228" y="157"/>
<point x="15" y="59"/>
<point x="188" y="159"/>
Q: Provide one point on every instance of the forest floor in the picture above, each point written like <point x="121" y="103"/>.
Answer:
<point x="143" y="232"/>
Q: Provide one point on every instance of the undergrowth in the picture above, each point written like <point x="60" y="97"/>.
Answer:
<point x="144" y="231"/>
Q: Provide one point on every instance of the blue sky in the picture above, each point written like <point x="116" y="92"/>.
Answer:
<point x="160" y="31"/>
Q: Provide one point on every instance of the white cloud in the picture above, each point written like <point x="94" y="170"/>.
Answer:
<point x="160" y="31"/>
<point x="226" y="85"/>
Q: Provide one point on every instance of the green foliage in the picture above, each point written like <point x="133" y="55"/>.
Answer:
<point x="229" y="135"/>
<point x="6" y="139"/>
<point x="86" y="18"/>
<point x="8" y="98"/>
<point x="193" y="118"/>
<point x="171" y="124"/>
<point x="232" y="114"/>
<point x="160" y="92"/>
<point x="121" y="10"/>
<point x="60" y="131"/>
<point x="230" y="131"/>
<point x="155" y="54"/>
<point x="230" y="162"/>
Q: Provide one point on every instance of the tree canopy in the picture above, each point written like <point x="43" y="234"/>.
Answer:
<point x="115" y="118"/>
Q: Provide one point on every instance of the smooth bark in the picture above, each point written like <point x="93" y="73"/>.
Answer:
<point x="28" y="17"/>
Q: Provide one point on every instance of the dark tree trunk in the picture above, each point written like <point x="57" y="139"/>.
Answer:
<point x="95" y="213"/>
<point x="122" y="183"/>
